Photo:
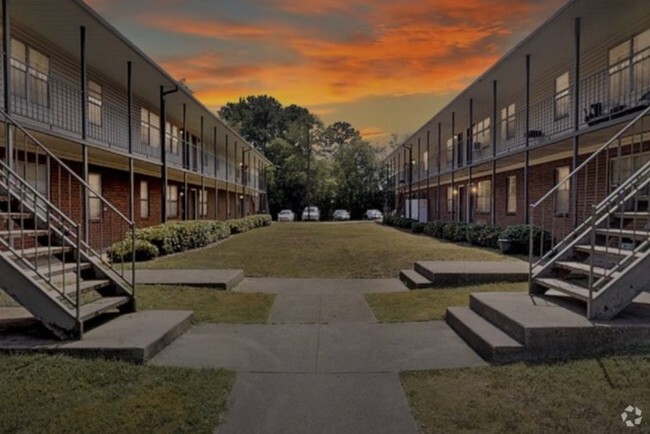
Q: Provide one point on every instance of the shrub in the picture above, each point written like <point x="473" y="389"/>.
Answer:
<point x="489" y="236"/>
<point x="417" y="227"/>
<point x="519" y="235"/>
<point x="434" y="228"/>
<point x="122" y="251"/>
<point x="473" y="233"/>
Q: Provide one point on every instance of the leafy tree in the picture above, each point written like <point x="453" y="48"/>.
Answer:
<point x="259" y="119"/>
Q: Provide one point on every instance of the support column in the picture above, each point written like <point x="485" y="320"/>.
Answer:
<point x="6" y="69"/>
<point x="527" y="155"/>
<point x="453" y="163"/>
<point x="129" y="111"/>
<point x="227" y="183"/>
<point x="419" y="176"/>
<point x="84" y="126"/>
<point x="493" y="202"/>
<point x="576" y="119"/>
<point x="439" y="159"/>
<point x="470" y="157"/>
<point x="186" y="200"/>
<point x="203" y="196"/>
<point x="237" y="205"/>
<point x="163" y="156"/>
<point x="216" y="175"/>
<point x="428" y="163"/>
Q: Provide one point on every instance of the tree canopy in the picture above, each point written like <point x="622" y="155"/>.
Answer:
<point x="326" y="166"/>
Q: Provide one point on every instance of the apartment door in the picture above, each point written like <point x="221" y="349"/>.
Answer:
<point x="192" y="203"/>
<point x="462" y="203"/>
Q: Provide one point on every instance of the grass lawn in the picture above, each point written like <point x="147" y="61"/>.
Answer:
<point x="586" y="396"/>
<point x="208" y="304"/>
<point x="44" y="394"/>
<point x="429" y="304"/>
<point x="326" y="250"/>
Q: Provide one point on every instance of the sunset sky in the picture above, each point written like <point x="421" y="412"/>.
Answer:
<point x="385" y="66"/>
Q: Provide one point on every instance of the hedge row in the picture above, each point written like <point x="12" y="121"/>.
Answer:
<point x="173" y="237"/>
<point x="475" y="234"/>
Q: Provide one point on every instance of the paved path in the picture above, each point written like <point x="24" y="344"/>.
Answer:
<point x="322" y="363"/>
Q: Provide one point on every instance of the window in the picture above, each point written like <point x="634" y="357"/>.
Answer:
<point x="144" y="199"/>
<point x="511" y="191"/>
<point x="95" y="103"/>
<point x="562" y="96"/>
<point x="484" y="197"/>
<point x="172" y="137"/>
<point x="481" y="134"/>
<point x="508" y="122"/>
<point x="172" y="201"/>
<point x="30" y="74"/>
<point x="624" y="167"/>
<point x="425" y="162"/>
<point x="629" y="67"/>
<point x="203" y="203"/>
<point x="563" y="193"/>
<point x="94" y="203"/>
<point x="149" y="128"/>
<point x="450" y="152"/>
<point x="450" y="199"/>
<point x="34" y="174"/>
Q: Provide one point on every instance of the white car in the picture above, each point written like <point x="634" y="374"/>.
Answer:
<point x="311" y="213"/>
<point x="286" y="215"/>
<point x="374" y="214"/>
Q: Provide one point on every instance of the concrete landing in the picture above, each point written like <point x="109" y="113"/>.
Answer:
<point x="455" y="273"/>
<point x="319" y="286"/>
<point x="550" y="327"/>
<point x="134" y="337"/>
<point x="219" y="279"/>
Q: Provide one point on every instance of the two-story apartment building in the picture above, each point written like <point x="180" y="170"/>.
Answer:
<point x="96" y="139"/>
<point x="531" y="119"/>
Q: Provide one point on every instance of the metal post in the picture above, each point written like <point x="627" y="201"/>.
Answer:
<point x="163" y="156"/>
<point x="527" y="154"/>
<point x="419" y="184"/>
<point x="237" y="205"/>
<point x="428" y="163"/>
<point x="84" y="83"/>
<point x="216" y="175"/>
<point x="493" y="205"/>
<point x="129" y="110"/>
<point x="453" y="162"/>
<point x="439" y="159"/>
<point x="576" y="118"/>
<point x="227" y="183"/>
<point x="202" y="196"/>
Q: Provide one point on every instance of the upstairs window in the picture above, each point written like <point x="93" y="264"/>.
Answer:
<point x="450" y="152"/>
<point x="149" y="128"/>
<point x="508" y="122"/>
<point x="30" y="71"/>
<point x="95" y="103"/>
<point x="172" y="138"/>
<point x="562" y="96"/>
<point x="629" y="68"/>
<point x="481" y="134"/>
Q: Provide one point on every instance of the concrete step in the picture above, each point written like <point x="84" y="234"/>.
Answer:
<point x="487" y="340"/>
<point x="58" y="269"/>
<point x="16" y="215"/>
<point x="100" y="306"/>
<point x="414" y="280"/>
<point x="483" y="306"/>
<point x="454" y="273"/>
<point x="565" y="287"/>
<point x="605" y="251"/>
<point x="585" y="269"/>
<point x="134" y="337"/>
<point x="18" y="233"/>
<point x="632" y="215"/>
<point x="70" y="287"/>
<point x="624" y="233"/>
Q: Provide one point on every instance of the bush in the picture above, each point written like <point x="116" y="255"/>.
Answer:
<point x="519" y="235"/>
<point x="122" y="251"/>
<point x="417" y="227"/>
<point x="434" y="228"/>
<point x="176" y="237"/>
<point x="489" y="236"/>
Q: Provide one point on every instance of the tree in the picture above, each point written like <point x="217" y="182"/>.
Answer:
<point x="336" y="135"/>
<point x="259" y="119"/>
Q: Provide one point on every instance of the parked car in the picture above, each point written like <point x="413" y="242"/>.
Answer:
<point x="286" y="215"/>
<point x="311" y="213"/>
<point x="341" y="214"/>
<point x="374" y="214"/>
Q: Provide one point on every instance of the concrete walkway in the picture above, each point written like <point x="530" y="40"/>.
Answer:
<point x="322" y="363"/>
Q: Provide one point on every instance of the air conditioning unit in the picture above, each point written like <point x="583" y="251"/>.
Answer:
<point x="477" y="146"/>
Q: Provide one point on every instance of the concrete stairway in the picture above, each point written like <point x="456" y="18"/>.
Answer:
<point x="437" y="274"/>
<point x="511" y="327"/>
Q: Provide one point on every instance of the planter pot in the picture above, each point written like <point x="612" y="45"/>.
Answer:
<point x="506" y="246"/>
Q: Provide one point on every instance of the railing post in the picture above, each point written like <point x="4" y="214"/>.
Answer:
<point x="530" y="250"/>
<point x="591" y="262"/>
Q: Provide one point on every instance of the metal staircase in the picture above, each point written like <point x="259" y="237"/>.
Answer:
<point x="605" y="260"/>
<point x="52" y="256"/>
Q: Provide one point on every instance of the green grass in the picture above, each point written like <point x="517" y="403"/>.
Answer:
<point x="586" y="396"/>
<point x="45" y="394"/>
<point x="428" y="304"/>
<point x="325" y="250"/>
<point x="208" y="304"/>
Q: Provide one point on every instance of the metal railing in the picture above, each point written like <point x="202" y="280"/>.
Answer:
<point x="555" y="212"/>
<point x="101" y="223"/>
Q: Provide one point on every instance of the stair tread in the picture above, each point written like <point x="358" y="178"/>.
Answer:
<point x="484" y="329"/>
<point x="604" y="250"/>
<point x="415" y="279"/>
<point x="625" y="233"/>
<point x="633" y="214"/>
<point x="58" y="268"/>
<point x="16" y="215"/>
<point x="565" y="287"/>
<point x="32" y="252"/>
<point x="97" y="307"/>
<point x="24" y="232"/>
<point x="583" y="268"/>
<point x="70" y="287"/>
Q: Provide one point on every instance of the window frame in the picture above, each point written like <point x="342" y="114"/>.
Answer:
<point x="511" y="195"/>
<point x="508" y="122"/>
<point x="172" y="200"/>
<point x="95" y="101"/>
<point x="562" y="200"/>
<point x="94" y="200"/>
<point x="203" y="203"/>
<point x="481" y="133"/>
<point x="31" y="75"/>
<point x="562" y="97"/>
<point x="149" y="122"/>
<point x="145" y="204"/>
<point x="450" y="199"/>
<point x="484" y="197"/>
